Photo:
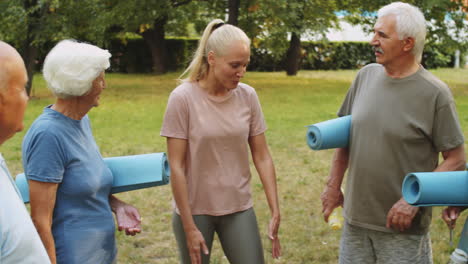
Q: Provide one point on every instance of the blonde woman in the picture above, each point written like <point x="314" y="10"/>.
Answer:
<point x="210" y="122"/>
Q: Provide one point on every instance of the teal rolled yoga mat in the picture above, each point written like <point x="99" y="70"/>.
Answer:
<point x="130" y="173"/>
<point x="436" y="188"/>
<point x="329" y="134"/>
<point x="138" y="171"/>
<point x="23" y="187"/>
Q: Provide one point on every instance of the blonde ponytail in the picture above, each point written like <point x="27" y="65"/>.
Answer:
<point x="216" y="37"/>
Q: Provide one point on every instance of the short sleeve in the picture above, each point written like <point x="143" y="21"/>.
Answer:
<point x="176" y="118"/>
<point x="447" y="133"/>
<point x="257" y="121"/>
<point x="44" y="158"/>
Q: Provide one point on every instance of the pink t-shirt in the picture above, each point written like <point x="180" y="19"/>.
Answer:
<point x="217" y="129"/>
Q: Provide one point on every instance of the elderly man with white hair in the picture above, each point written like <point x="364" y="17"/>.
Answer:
<point x="403" y="117"/>
<point x="69" y="183"/>
<point x="19" y="241"/>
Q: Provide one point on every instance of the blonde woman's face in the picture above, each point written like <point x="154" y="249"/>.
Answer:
<point x="229" y="69"/>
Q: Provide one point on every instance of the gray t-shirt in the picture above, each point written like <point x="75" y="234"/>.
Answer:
<point x="398" y="126"/>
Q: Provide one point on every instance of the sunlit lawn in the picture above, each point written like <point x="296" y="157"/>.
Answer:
<point x="128" y="122"/>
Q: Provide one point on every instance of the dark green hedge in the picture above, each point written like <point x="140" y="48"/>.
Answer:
<point x="318" y="56"/>
<point x="133" y="56"/>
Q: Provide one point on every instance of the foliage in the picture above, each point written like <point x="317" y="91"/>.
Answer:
<point x="277" y="20"/>
<point x="49" y="20"/>
<point x="133" y="56"/>
<point x="139" y="16"/>
<point x="343" y="55"/>
<point x="446" y="19"/>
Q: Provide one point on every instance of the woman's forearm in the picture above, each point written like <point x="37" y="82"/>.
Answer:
<point x="180" y="193"/>
<point x="47" y="239"/>
<point x="42" y="199"/>
<point x="266" y="171"/>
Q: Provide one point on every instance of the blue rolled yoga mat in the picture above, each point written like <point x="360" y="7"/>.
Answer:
<point x="329" y="134"/>
<point x="130" y="173"/>
<point x="436" y="188"/>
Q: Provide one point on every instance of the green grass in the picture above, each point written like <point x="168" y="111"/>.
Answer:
<point x="129" y="119"/>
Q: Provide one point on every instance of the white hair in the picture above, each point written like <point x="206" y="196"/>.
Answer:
<point x="71" y="67"/>
<point x="410" y="22"/>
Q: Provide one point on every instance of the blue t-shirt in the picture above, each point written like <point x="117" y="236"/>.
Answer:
<point x="62" y="150"/>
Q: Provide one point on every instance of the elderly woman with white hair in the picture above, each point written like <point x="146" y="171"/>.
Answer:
<point x="71" y="203"/>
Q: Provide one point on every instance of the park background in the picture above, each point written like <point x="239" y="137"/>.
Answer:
<point x="301" y="78"/>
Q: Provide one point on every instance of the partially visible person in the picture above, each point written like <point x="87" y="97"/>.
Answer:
<point x="69" y="183"/>
<point x="19" y="241"/>
<point x="211" y="121"/>
<point x="403" y="118"/>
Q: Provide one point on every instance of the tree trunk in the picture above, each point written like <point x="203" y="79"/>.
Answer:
<point x="293" y="55"/>
<point x="154" y="38"/>
<point x="233" y="7"/>
<point x="28" y="50"/>
<point x="29" y="56"/>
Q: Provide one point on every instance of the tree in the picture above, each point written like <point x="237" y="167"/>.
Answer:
<point x="150" y="19"/>
<point x="30" y="24"/>
<point x="233" y="9"/>
<point x="278" y="26"/>
<point x="293" y="19"/>
<point x="446" y="19"/>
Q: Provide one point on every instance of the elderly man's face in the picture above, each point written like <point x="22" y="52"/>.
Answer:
<point x="13" y="100"/>
<point x="387" y="47"/>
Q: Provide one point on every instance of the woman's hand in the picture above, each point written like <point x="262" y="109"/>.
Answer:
<point x="196" y="245"/>
<point x="273" y="228"/>
<point x="128" y="217"/>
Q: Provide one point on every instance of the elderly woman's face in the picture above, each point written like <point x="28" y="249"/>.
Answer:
<point x="98" y="85"/>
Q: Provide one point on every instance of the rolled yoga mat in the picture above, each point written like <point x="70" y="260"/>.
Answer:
<point x="436" y="188"/>
<point x="329" y="134"/>
<point x="130" y="173"/>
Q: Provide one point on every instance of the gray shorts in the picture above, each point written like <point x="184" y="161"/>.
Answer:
<point x="237" y="232"/>
<point x="362" y="245"/>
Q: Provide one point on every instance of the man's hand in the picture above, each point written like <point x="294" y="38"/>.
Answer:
<point x="451" y="214"/>
<point x="401" y="215"/>
<point x="331" y="199"/>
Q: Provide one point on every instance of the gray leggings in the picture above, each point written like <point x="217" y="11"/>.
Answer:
<point x="237" y="232"/>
